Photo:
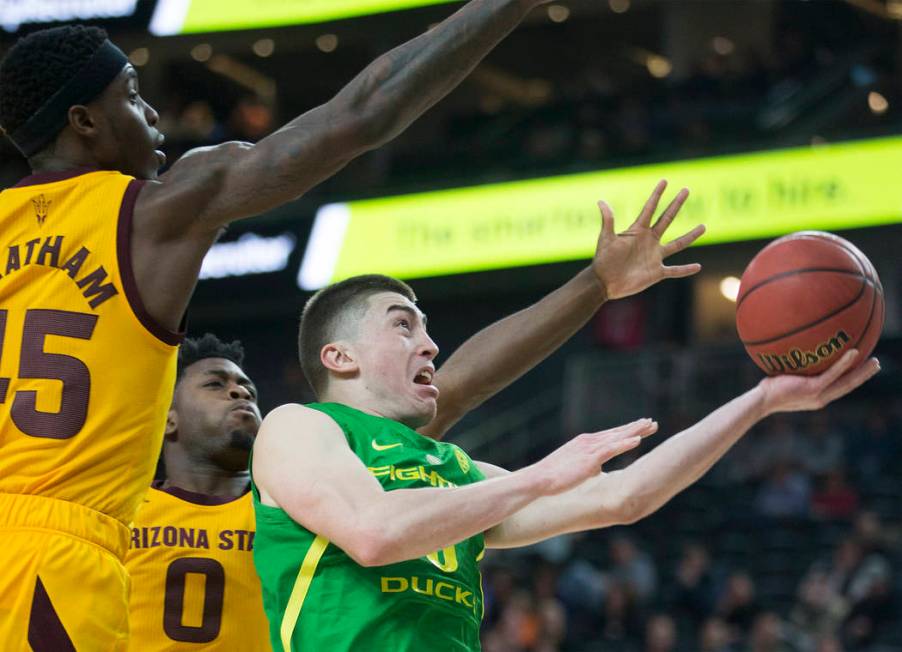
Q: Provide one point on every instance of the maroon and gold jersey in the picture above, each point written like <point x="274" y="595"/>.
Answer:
<point x="86" y="376"/>
<point x="194" y="585"/>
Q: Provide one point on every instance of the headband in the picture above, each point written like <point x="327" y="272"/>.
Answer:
<point x="89" y="82"/>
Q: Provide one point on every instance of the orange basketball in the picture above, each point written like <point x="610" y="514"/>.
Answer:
<point x="804" y="300"/>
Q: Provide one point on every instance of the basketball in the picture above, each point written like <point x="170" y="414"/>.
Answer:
<point x="806" y="299"/>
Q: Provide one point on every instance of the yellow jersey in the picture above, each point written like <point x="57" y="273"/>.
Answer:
<point x="194" y="585"/>
<point x="86" y="375"/>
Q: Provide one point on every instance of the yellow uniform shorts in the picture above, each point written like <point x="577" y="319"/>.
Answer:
<point x="62" y="583"/>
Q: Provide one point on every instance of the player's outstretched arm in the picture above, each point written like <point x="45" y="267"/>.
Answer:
<point x="302" y="464"/>
<point x="624" y="264"/>
<point x="178" y="217"/>
<point x="625" y="496"/>
<point x="210" y="187"/>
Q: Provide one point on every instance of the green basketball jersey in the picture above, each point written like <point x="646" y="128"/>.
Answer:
<point x="318" y="599"/>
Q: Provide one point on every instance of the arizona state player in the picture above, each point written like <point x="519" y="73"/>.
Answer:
<point x="190" y="559"/>
<point x="101" y="257"/>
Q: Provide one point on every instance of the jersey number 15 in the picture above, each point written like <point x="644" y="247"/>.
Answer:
<point x="35" y="363"/>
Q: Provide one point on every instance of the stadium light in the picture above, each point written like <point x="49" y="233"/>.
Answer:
<point x="15" y="14"/>
<point x="172" y="17"/>
<point x="729" y="287"/>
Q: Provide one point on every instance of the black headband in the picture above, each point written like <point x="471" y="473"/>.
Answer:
<point x="89" y="82"/>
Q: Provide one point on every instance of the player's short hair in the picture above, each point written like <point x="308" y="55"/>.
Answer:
<point x="208" y="346"/>
<point x="38" y="65"/>
<point x="325" y="312"/>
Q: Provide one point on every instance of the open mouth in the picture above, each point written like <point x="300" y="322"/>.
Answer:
<point x="423" y="380"/>
<point x="161" y="157"/>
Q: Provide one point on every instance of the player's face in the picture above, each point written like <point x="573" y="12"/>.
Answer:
<point x="217" y="414"/>
<point x="396" y="355"/>
<point x="129" y="139"/>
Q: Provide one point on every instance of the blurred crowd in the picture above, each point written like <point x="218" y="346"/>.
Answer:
<point x="811" y="86"/>
<point x="803" y="555"/>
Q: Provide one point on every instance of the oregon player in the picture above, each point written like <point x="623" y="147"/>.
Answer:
<point x="369" y="534"/>
<point x="92" y="295"/>
<point x="193" y="580"/>
<point x="441" y="591"/>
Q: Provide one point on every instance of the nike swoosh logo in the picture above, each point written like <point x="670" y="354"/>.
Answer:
<point x="379" y="447"/>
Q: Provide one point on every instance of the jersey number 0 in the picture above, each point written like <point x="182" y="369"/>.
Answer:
<point x="174" y="600"/>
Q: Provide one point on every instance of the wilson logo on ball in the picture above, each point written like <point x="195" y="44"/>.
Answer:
<point x="774" y="363"/>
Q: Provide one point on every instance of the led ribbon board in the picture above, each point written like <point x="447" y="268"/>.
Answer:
<point x="14" y="13"/>
<point x="829" y="187"/>
<point x="194" y="16"/>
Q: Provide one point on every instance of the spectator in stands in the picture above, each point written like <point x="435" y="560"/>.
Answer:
<point x="768" y="634"/>
<point x="660" y="634"/>
<point x="692" y="594"/>
<point x="870" y="593"/>
<point x="835" y="498"/>
<point x="820" y="608"/>
<point x="632" y="569"/>
<point x="714" y="636"/>
<point x="517" y="629"/>
<point x="498" y="586"/>
<point x="872" y="612"/>
<point x="581" y="587"/>
<point x="621" y="620"/>
<point x="737" y="605"/>
<point x="839" y="569"/>
<point x="549" y="609"/>
<point x="873" y="535"/>
<point x="828" y="644"/>
<point x="784" y="494"/>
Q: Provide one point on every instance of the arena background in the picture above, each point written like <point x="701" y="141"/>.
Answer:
<point x="793" y="541"/>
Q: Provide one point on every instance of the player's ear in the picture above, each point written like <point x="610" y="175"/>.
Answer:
<point x="172" y="425"/>
<point x="82" y="121"/>
<point x="339" y="357"/>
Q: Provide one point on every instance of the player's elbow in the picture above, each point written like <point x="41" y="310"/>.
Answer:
<point x="370" y="547"/>
<point x="622" y="506"/>
<point x="630" y="510"/>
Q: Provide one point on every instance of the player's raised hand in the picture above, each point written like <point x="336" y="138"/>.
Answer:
<point x="787" y="393"/>
<point x="627" y="263"/>
<point x="582" y="457"/>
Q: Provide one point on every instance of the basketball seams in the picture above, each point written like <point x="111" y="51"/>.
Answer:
<point x="866" y="281"/>
<point x="793" y="272"/>
<point x="815" y="236"/>
<point x="875" y="282"/>
<point x="878" y="290"/>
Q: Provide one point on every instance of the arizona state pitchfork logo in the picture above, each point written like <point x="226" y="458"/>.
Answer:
<point x="41" y="207"/>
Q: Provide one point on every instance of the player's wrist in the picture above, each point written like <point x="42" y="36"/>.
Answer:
<point x="764" y="401"/>
<point x="595" y="286"/>
<point x="534" y="481"/>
